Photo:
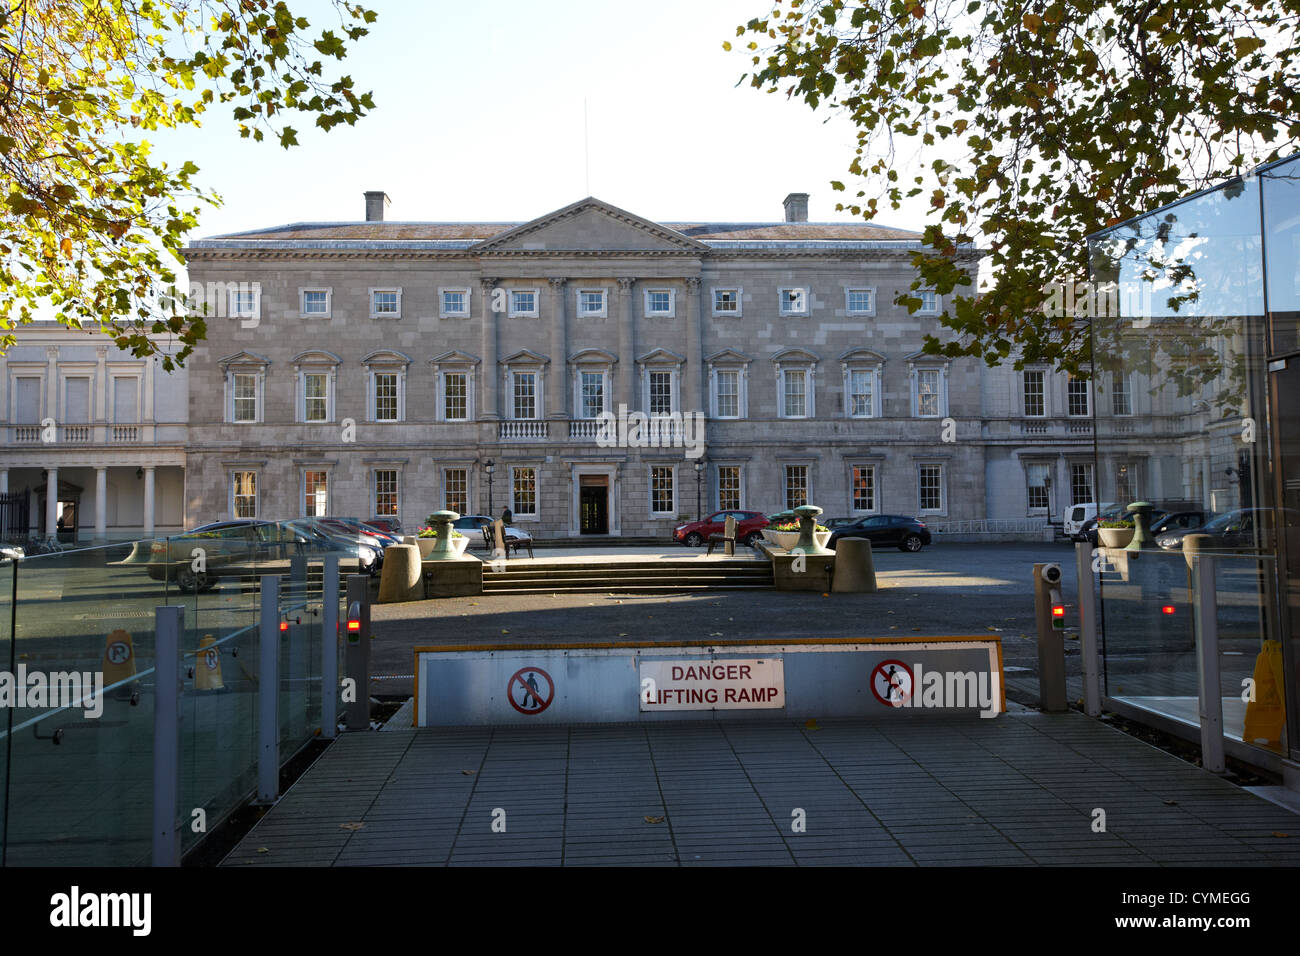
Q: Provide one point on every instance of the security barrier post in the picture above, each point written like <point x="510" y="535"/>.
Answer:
<point x="1051" y="639"/>
<point x="1205" y="621"/>
<point x="268" y="692"/>
<point x="1089" y="650"/>
<point x="329" y="648"/>
<point x="356" y="655"/>
<point x="168" y="625"/>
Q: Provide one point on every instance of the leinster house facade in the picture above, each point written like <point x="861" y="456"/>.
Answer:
<point x="391" y="369"/>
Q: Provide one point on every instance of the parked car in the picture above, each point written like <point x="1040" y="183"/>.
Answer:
<point x="1181" y="521"/>
<point x="239" y="541"/>
<point x="1089" y="530"/>
<point x="391" y="525"/>
<point x="1233" y="530"/>
<point x="382" y="538"/>
<point x="833" y="523"/>
<point x="1076" y="515"/>
<point x="749" y="527"/>
<point x="904" y="532"/>
<point x="321" y="535"/>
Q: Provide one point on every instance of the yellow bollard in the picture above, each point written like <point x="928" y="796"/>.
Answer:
<point x="119" y="657"/>
<point x="119" y="663"/>
<point x="207" y="669"/>
<point x="1266" y="714"/>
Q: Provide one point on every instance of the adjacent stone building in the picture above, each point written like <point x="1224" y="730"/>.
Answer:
<point x="95" y="438"/>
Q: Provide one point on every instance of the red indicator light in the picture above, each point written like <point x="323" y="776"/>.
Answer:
<point x="1167" y="609"/>
<point x="354" y="625"/>
<point x="284" y="625"/>
<point x="1058" y="610"/>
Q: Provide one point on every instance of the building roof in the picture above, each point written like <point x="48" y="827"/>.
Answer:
<point x="586" y="227"/>
<point x="475" y="231"/>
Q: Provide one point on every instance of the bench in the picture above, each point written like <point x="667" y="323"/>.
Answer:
<point x="727" y="538"/>
<point x="506" y="544"/>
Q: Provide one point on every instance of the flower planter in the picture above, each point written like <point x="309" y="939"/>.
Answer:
<point x="787" y="539"/>
<point x="1115" y="537"/>
<point x="458" y="545"/>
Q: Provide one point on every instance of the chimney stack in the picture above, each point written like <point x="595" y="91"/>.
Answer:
<point x="796" y="207"/>
<point x="376" y="200"/>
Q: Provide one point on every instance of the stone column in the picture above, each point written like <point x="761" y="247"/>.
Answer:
<point x="559" y="397"/>
<point x="100" y="414"/>
<point x="489" y="407"/>
<point x="52" y="383"/>
<point x="146" y="384"/>
<point x="693" y="378"/>
<point x="101" y="502"/>
<point x="624" y="315"/>
<point x="148" y="500"/>
<point x="4" y="481"/>
<point x="51" y="502"/>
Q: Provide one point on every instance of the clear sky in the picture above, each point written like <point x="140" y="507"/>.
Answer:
<point x="479" y="116"/>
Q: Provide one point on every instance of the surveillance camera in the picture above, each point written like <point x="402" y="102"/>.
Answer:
<point x="1052" y="573"/>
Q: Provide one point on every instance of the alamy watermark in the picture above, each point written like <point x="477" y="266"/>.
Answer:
<point x="221" y="300"/>
<point x="639" y="430"/>
<point x="39" y="690"/>
<point x="900" y="686"/>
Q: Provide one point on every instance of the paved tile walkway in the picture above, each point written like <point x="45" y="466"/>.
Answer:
<point x="1019" y="789"/>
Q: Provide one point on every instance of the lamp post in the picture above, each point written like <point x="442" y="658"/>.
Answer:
<point x="490" y="466"/>
<point x="1047" y="485"/>
<point x="699" y="488"/>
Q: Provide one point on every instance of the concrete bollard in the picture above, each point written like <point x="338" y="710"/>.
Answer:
<point x="400" y="580"/>
<point x="855" y="568"/>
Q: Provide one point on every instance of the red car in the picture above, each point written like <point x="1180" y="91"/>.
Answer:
<point x="695" y="533"/>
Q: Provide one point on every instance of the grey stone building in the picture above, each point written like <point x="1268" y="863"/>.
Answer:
<point x="376" y="368"/>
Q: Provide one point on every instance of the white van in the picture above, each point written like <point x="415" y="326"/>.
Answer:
<point x="1076" y="515"/>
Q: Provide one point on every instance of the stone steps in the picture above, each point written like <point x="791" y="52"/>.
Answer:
<point x="536" y="577"/>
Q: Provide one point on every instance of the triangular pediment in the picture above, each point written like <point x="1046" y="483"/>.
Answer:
<point x="590" y="226"/>
<point x="386" y="357"/>
<point x="525" y="357"/>
<point x="728" y="357"/>
<point x="244" y="358"/>
<point x="454" y="357"/>
<point x="593" y="357"/>
<point x="796" y="355"/>
<point x="661" y="357"/>
<point x="317" y="357"/>
<point x="862" y="356"/>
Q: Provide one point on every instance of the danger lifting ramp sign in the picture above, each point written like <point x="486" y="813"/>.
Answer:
<point x="666" y="679"/>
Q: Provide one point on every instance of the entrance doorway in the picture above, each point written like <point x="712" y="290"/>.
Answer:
<point x="593" y="504"/>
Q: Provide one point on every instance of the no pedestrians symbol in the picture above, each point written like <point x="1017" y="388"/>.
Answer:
<point x="531" y="690"/>
<point x="891" y="682"/>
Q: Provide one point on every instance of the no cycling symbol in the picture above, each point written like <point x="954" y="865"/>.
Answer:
<point x="530" y="690"/>
<point x="891" y="682"/>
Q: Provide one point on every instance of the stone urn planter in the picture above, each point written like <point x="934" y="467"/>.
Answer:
<point x="426" y="545"/>
<point x="1115" y="537"/>
<point x="787" y="539"/>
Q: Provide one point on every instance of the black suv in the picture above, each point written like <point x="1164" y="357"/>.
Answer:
<point x="906" y="533"/>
